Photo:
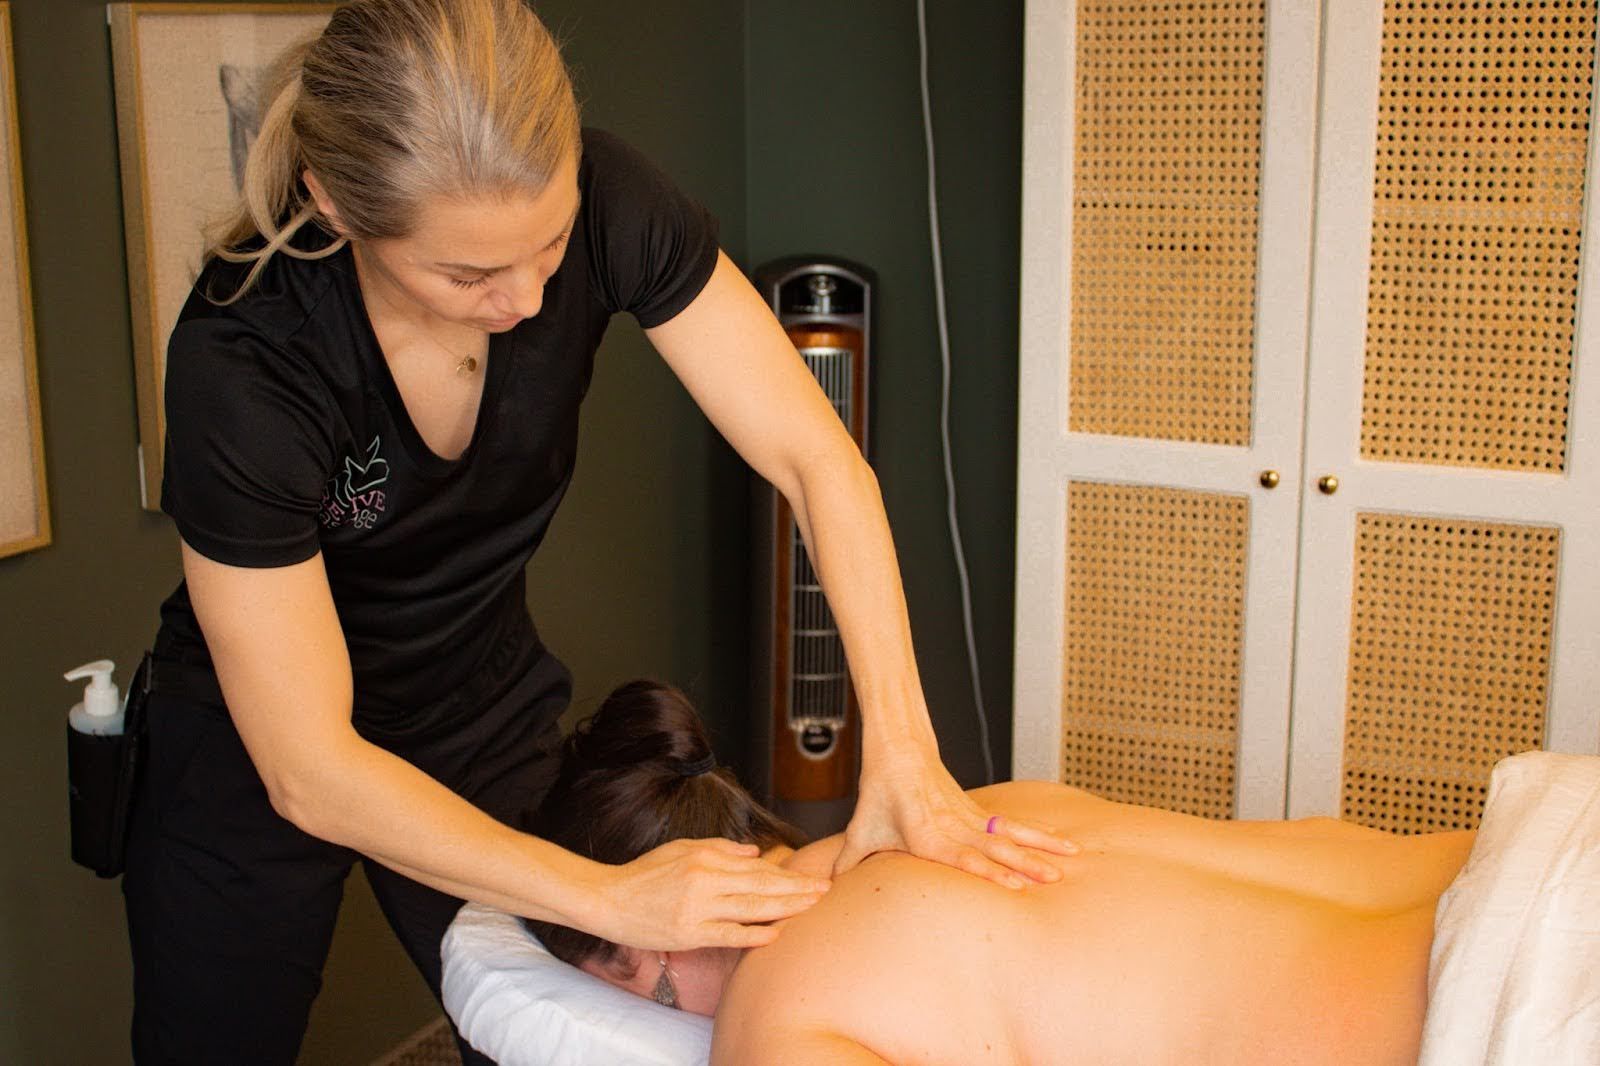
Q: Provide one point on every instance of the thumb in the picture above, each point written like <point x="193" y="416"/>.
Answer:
<point x="849" y="858"/>
<point x="851" y="854"/>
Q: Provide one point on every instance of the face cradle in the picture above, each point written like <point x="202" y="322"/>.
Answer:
<point x="480" y="263"/>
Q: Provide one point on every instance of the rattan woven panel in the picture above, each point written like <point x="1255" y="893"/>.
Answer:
<point x="1449" y="664"/>
<point x="1154" y="630"/>
<point x="1166" y="180"/>
<point x="1483" y="128"/>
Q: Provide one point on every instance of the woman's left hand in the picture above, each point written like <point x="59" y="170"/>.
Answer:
<point x="914" y="805"/>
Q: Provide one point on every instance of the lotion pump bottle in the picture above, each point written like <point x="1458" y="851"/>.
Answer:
<point x="100" y="713"/>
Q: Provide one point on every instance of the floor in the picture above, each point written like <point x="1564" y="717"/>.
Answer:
<point x="432" y="1045"/>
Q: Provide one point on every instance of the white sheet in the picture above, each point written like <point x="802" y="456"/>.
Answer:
<point x="522" y="1006"/>
<point x="1514" y="978"/>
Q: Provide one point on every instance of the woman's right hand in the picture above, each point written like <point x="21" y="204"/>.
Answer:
<point x="690" y="894"/>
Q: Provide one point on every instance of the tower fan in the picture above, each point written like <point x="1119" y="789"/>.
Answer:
<point x="809" y="734"/>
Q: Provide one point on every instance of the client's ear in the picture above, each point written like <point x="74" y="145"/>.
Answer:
<point x="631" y="970"/>
<point x="630" y="962"/>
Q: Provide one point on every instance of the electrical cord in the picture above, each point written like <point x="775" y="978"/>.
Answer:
<point x="944" y="402"/>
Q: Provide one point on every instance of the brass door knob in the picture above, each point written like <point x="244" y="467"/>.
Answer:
<point x="1328" y="484"/>
<point x="1270" y="479"/>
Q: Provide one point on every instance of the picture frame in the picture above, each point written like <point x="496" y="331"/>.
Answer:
<point x="188" y="81"/>
<point x="24" y="503"/>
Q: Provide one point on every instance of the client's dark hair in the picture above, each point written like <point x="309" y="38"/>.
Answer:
<point x="627" y="785"/>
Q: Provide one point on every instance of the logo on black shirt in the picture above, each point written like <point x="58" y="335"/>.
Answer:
<point x="353" y="496"/>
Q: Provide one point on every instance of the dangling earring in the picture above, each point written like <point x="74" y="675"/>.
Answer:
<point x="666" y="993"/>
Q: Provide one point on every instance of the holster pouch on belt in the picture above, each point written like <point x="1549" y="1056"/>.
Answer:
<point x="101" y="773"/>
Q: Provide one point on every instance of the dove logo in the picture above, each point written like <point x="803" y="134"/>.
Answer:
<point x="354" y="495"/>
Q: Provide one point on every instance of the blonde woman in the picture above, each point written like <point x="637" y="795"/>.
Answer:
<point x="372" y="401"/>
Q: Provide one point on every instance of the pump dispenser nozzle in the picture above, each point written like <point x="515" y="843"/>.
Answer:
<point x="101" y="709"/>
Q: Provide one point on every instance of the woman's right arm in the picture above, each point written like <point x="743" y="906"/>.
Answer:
<point x="281" y="659"/>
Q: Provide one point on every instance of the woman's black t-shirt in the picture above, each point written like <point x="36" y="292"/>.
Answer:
<point x="286" y="436"/>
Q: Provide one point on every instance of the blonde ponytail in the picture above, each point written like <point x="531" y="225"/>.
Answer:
<point x="271" y="206"/>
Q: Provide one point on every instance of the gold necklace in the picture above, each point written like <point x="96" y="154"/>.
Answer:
<point x="466" y="365"/>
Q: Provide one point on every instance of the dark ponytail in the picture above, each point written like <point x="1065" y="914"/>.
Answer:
<point x="631" y="780"/>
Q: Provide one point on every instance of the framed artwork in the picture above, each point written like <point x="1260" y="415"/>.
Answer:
<point x="190" y="94"/>
<point x="24" y="510"/>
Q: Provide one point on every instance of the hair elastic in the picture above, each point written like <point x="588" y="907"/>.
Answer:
<point x="993" y="818"/>
<point x="696" y="768"/>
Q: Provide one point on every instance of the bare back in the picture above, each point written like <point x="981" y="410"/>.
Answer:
<point x="1169" y="939"/>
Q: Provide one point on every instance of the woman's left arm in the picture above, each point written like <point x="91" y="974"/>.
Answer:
<point x="740" y="367"/>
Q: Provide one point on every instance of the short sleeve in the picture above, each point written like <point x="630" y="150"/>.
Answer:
<point x="653" y="248"/>
<point x="249" y="445"/>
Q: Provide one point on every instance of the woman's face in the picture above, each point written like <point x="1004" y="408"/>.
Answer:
<point x="479" y="262"/>
<point x="699" y="976"/>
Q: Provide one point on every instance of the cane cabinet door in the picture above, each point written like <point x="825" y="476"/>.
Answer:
<point x="1305" y="504"/>
<point x="1169" y="160"/>
<point x="1450" y="557"/>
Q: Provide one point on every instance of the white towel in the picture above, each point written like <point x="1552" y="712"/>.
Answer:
<point x="1514" y="978"/>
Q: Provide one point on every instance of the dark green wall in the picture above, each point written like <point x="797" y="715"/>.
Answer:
<point x="92" y="593"/>
<point x="799" y="126"/>
<point x="836" y="164"/>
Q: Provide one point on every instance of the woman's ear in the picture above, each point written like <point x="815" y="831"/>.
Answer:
<point x="630" y="963"/>
<point x="632" y="970"/>
<point x="319" y="196"/>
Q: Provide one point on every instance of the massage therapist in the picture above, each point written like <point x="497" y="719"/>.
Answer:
<point x="372" y="406"/>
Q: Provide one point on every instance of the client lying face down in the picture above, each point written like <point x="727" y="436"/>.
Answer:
<point x="1169" y="939"/>
<point x="637" y="774"/>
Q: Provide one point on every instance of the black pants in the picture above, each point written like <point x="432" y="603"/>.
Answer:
<point x="231" y="908"/>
